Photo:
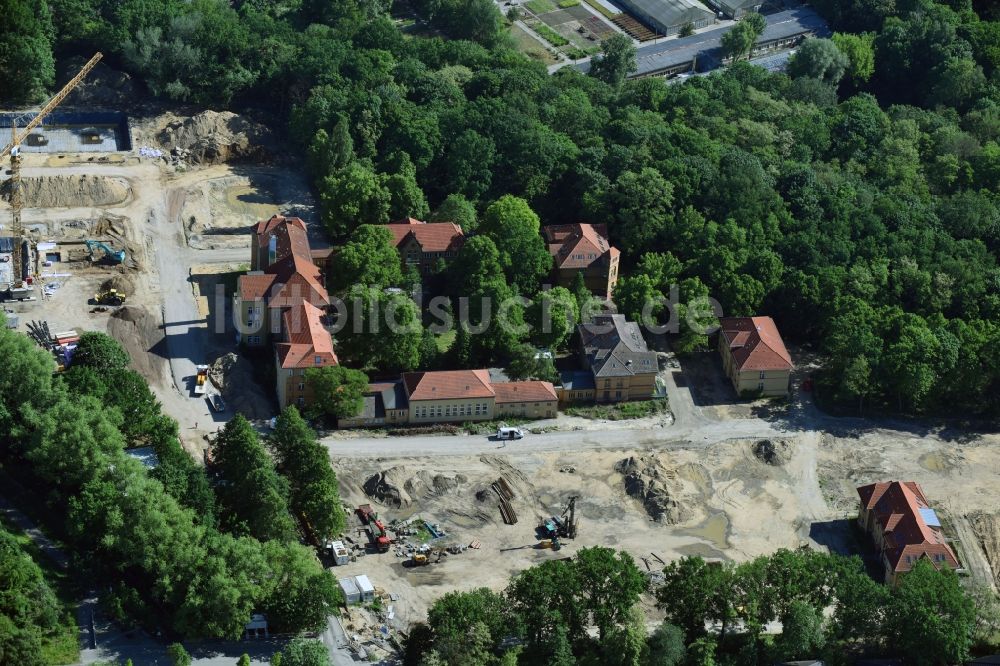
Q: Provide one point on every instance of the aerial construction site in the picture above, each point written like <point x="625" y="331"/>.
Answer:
<point x="137" y="226"/>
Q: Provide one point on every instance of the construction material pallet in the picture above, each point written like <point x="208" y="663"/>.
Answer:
<point x="634" y="28"/>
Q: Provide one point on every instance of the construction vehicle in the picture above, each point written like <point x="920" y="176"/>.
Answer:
<point x="566" y="523"/>
<point x="111" y="255"/>
<point x="420" y="559"/>
<point x="379" y="537"/>
<point x="201" y="380"/>
<point x="549" y="544"/>
<point x="109" y="297"/>
<point x="20" y="287"/>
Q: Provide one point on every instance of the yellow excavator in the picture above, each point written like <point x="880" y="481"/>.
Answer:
<point x="110" y="297"/>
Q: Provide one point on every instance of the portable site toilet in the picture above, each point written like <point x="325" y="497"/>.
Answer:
<point x="365" y="588"/>
<point x="352" y="594"/>
<point x="339" y="553"/>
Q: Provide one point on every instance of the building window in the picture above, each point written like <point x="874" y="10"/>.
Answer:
<point x="319" y="360"/>
<point x="253" y="340"/>
<point x="762" y="374"/>
<point x="300" y="401"/>
<point x="760" y="386"/>
<point x="607" y="383"/>
<point x="302" y="386"/>
<point x="618" y="395"/>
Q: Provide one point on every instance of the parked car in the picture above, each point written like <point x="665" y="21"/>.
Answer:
<point x="217" y="403"/>
<point x="509" y="433"/>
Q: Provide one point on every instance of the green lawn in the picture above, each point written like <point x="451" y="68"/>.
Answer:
<point x="540" y="6"/>
<point x="619" y="411"/>
<point x="530" y="47"/>
<point x="445" y="340"/>
<point x="63" y="646"/>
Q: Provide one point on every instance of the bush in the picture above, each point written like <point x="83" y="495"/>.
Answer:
<point x="566" y="4"/>
<point x="550" y="35"/>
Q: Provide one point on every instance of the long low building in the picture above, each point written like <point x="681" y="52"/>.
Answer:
<point x="703" y="52"/>
<point x="667" y="17"/>
<point x="452" y="396"/>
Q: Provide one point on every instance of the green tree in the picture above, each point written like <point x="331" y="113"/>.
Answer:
<point x="100" y="351"/>
<point x="514" y="228"/>
<point x="695" y="592"/>
<point x="666" y="646"/>
<point x="29" y="609"/>
<point x="383" y="329"/>
<point x="860" y="52"/>
<point x="244" y="660"/>
<point x="459" y="210"/>
<point x="406" y="199"/>
<point x="351" y="196"/>
<point x="637" y="205"/>
<point x="305" y="594"/>
<point x="315" y="492"/>
<point x="930" y="616"/>
<point x="819" y="59"/>
<point x="304" y="652"/>
<point x="553" y="316"/>
<point x="617" y="60"/>
<point x="740" y="39"/>
<point x="801" y="632"/>
<point x="253" y="498"/>
<point x="27" y="67"/>
<point x="178" y="655"/>
<point x="337" y="391"/>
<point x="528" y="363"/>
<point x="637" y="298"/>
<point x="610" y="584"/>
<point x="369" y="258"/>
<point x="453" y="616"/>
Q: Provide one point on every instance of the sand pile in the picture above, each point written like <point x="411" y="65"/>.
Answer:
<point x="234" y="376"/>
<point x="121" y="283"/>
<point x="772" y="452"/>
<point x="139" y="332"/>
<point x="212" y="137"/>
<point x="71" y="191"/>
<point x="647" y="480"/>
<point x="398" y="488"/>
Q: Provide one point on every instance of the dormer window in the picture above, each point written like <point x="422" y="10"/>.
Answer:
<point x="319" y="360"/>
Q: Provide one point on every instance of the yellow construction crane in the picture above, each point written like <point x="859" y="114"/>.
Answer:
<point x="16" y="287"/>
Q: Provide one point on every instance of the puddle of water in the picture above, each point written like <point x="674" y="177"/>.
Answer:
<point x="934" y="462"/>
<point x="702" y="550"/>
<point x="713" y="530"/>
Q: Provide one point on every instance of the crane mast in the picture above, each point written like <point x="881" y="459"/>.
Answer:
<point x="14" y="150"/>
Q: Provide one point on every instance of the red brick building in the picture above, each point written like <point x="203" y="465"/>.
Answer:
<point x="903" y="527"/>
<point x="583" y="248"/>
<point x="422" y="244"/>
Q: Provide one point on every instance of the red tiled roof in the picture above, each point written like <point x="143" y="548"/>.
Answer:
<point x="254" y="287"/>
<point x="578" y="245"/>
<point x="300" y="280"/>
<point x="265" y="227"/>
<point x="896" y="506"/>
<point x="306" y="339"/>
<point x="448" y="385"/>
<point x="755" y="343"/>
<point x="432" y="236"/>
<point x="533" y="391"/>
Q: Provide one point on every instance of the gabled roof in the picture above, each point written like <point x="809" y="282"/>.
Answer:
<point x="289" y="233"/>
<point x="530" y="391"/>
<point x="614" y="347"/>
<point x="431" y="236"/>
<point x="578" y="245"/>
<point x="253" y="287"/>
<point x="755" y="343"/>
<point x="902" y="511"/>
<point x="448" y="385"/>
<point x="306" y="340"/>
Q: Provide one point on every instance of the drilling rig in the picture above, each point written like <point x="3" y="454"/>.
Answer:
<point x="18" y="289"/>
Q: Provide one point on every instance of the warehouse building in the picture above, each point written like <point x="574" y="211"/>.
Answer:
<point x="667" y="17"/>
<point x="736" y="9"/>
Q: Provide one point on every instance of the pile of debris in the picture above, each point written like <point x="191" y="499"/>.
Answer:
<point x="397" y="488"/>
<point x="71" y="191"/>
<point x="213" y="137"/>
<point x="103" y="86"/>
<point x="774" y="452"/>
<point x="646" y="480"/>
<point x="234" y="376"/>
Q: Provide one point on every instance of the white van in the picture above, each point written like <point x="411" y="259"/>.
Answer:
<point x="510" y="433"/>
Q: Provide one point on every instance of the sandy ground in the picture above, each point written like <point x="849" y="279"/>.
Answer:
<point x="731" y="504"/>
<point x="166" y="329"/>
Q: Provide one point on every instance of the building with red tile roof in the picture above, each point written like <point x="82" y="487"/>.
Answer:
<point x="283" y="297"/>
<point x="903" y="527"/>
<point x="754" y="356"/>
<point x="422" y="244"/>
<point x="453" y="396"/>
<point x="583" y="248"/>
